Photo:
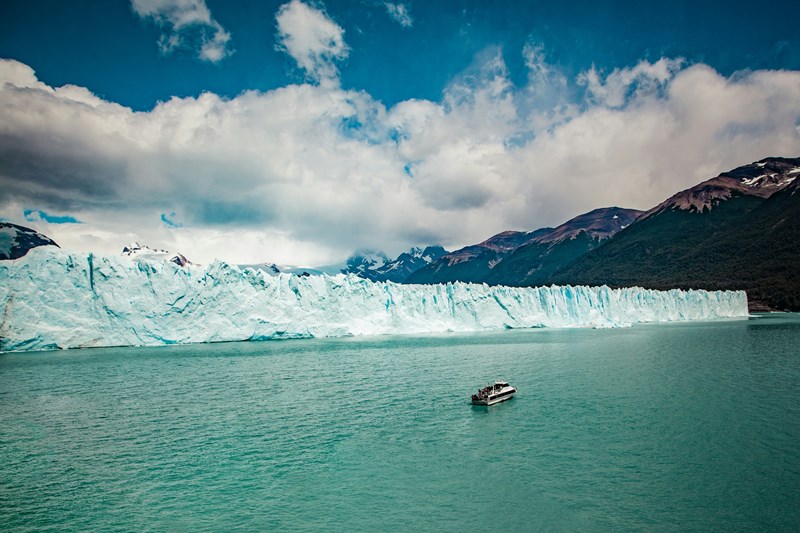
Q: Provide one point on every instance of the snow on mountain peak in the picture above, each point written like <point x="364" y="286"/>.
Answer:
<point x="139" y="251"/>
<point x="363" y="260"/>
<point x="376" y="266"/>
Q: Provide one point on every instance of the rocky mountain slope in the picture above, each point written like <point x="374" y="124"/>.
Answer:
<point x="16" y="241"/>
<point x="739" y="230"/>
<point x="526" y="258"/>
<point x="473" y="263"/>
<point x="534" y="262"/>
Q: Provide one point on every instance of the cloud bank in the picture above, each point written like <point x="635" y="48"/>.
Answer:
<point x="307" y="173"/>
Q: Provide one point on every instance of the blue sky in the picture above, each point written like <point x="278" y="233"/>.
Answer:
<point x="104" y="46"/>
<point x="311" y="129"/>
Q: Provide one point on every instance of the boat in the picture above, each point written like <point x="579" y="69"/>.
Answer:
<point x="492" y="394"/>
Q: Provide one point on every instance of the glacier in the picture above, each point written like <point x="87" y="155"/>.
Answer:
<point x="52" y="299"/>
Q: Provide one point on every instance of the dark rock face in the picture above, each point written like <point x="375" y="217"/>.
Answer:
<point x="16" y="241"/>
<point x="180" y="260"/>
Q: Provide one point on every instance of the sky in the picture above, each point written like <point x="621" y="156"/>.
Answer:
<point x="297" y="132"/>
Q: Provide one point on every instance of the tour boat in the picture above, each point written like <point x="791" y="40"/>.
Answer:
<point x="492" y="394"/>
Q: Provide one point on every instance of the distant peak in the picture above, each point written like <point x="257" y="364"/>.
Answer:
<point x="136" y="250"/>
<point x="376" y="266"/>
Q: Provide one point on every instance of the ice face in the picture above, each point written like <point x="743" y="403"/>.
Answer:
<point x="53" y="299"/>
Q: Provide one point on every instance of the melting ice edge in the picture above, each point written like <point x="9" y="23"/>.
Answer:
<point x="54" y="299"/>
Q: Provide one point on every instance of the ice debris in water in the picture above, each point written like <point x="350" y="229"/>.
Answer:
<point x="53" y="299"/>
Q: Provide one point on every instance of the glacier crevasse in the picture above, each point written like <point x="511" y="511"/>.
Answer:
<point x="54" y="299"/>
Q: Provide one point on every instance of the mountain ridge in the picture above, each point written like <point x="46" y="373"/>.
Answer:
<point x="761" y="178"/>
<point x="735" y="231"/>
<point x="489" y="260"/>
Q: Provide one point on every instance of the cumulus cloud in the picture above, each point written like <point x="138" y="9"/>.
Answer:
<point x="309" y="172"/>
<point x="400" y="13"/>
<point x="313" y="40"/>
<point x="624" y="84"/>
<point x="187" y="24"/>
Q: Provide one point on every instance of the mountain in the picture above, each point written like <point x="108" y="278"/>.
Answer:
<point x="363" y="263"/>
<point x="139" y="251"/>
<point x="534" y="262"/>
<point x="473" y="263"/>
<point x="739" y="230"/>
<point x="399" y="270"/>
<point x="374" y="265"/>
<point x="16" y="241"/>
<point x="273" y="270"/>
<point x="761" y="180"/>
<point x="527" y="258"/>
<point x="270" y="268"/>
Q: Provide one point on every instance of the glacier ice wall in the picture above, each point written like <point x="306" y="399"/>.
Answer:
<point x="53" y="299"/>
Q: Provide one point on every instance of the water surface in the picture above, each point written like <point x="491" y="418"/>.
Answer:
<point x="669" y="427"/>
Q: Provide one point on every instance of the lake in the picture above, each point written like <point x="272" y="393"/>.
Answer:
<point x="669" y="427"/>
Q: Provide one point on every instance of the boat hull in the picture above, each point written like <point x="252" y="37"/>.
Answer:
<point x="495" y="399"/>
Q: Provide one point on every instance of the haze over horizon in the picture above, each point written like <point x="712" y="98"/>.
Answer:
<point x="296" y="132"/>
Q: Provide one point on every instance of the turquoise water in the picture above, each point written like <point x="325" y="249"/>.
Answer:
<point x="673" y="427"/>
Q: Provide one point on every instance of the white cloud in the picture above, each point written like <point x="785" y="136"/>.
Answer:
<point x="621" y="85"/>
<point x="548" y="98"/>
<point x="216" y="48"/>
<point x="19" y="75"/>
<point x="307" y="173"/>
<point x="187" y="23"/>
<point x="313" y="40"/>
<point x="538" y="69"/>
<point x="400" y="13"/>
